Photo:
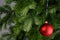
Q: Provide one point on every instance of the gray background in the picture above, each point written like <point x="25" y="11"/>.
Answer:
<point x="2" y="2"/>
<point x="7" y="30"/>
<point x="3" y="31"/>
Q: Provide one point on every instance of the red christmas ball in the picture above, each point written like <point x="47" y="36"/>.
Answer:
<point x="46" y="29"/>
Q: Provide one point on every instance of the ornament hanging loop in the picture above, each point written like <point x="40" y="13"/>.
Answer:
<point x="47" y="7"/>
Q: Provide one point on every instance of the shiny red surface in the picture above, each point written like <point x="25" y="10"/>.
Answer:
<point x="46" y="29"/>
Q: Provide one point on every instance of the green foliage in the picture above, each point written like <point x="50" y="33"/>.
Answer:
<point x="27" y="16"/>
<point x="57" y="37"/>
<point x="27" y="25"/>
<point x="38" y="20"/>
<point x="22" y="7"/>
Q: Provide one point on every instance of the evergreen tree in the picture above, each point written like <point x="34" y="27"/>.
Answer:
<point x="21" y="19"/>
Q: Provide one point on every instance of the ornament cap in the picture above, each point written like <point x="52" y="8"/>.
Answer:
<point x="46" y="21"/>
